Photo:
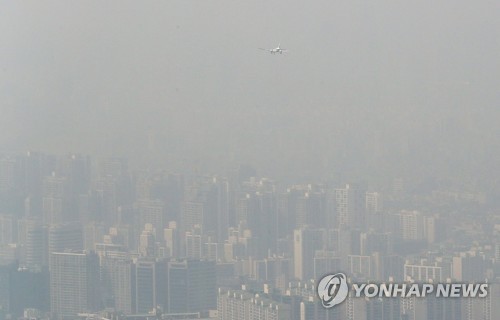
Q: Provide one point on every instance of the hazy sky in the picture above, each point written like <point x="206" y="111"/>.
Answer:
<point x="368" y="86"/>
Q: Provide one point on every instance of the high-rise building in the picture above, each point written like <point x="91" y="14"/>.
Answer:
<point x="74" y="283"/>
<point x="64" y="237"/>
<point x="383" y="309"/>
<point x="326" y="262"/>
<point x="194" y="244"/>
<point x="374" y="202"/>
<point x="350" y="205"/>
<point x="301" y="206"/>
<point x="305" y="304"/>
<point x="5" y="283"/>
<point x="242" y="305"/>
<point x="7" y="175"/>
<point x="146" y="290"/>
<point x="469" y="266"/>
<point x="34" y="167"/>
<point x="432" y="308"/>
<point x="150" y="284"/>
<point x="413" y="225"/>
<point x="258" y="212"/>
<point x="117" y="280"/>
<point x="92" y="233"/>
<point x="305" y="243"/>
<point x="212" y="251"/>
<point x="105" y="197"/>
<point x="360" y="266"/>
<point x="28" y="289"/>
<point x="8" y="230"/>
<point x="192" y="214"/>
<point x="284" y="225"/>
<point x="425" y="270"/>
<point x="171" y="238"/>
<point x="372" y="309"/>
<point x="273" y="270"/>
<point x="114" y="167"/>
<point x="23" y="227"/>
<point x="375" y="242"/>
<point x="310" y="208"/>
<point x="56" y="200"/>
<point x="37" y="255"/>
<point x="223" y="205"/>
<point x="266" y="229"/>
<point x="152" y="212"/>
<point x="191" y="286"/>
<point x="147" y="241"/>
<point x="77" y="169"/>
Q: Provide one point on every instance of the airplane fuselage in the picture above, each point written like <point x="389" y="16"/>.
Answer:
<point x="275" y="50"/>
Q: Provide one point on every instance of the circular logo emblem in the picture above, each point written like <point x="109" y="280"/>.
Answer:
<point x="333" y="289"/>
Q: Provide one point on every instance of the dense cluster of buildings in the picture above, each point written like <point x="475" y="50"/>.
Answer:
<point x="84" y="239"/>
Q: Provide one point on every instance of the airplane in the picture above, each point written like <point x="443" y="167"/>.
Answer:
<point x="278" y="49"/>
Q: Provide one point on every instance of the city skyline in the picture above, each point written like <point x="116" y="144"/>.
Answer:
<point x="100" y="238"/>
<point x="156" y="163"/>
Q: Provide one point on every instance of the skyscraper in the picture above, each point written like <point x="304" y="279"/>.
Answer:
<point x="191" y="286"/>
<point x="74" y="283"/>
<point x="64" y="237"/>
<point x="37" y="248"/>
<point x="350" y="204"/>
<point x="145" y="285"/>
<point x="374" y="202"/>
<point x="56" y="199"/>
<point x="192" y="214"/>
<point x="7" y="175"/>
<point x="117" y="277"/>
<point x="242" y="305"/>
<point x="8" y="229"/>
<point x="153" y="212"/>
<point x="305" y="243"/>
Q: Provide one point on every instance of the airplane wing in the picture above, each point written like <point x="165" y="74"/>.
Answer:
<point x="263" y="49"/>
